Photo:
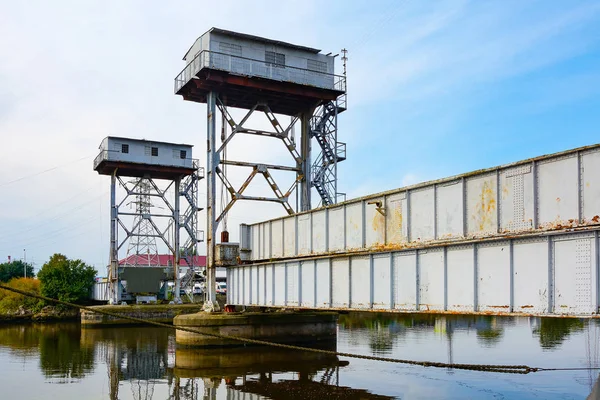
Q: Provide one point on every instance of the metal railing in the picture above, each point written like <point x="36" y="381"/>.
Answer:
<point x="104" y="155"/>
<point x="250" y="67"/>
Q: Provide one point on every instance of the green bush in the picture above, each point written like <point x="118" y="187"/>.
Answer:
<point x="10" y="301"/>
<point x="15" y="269"/>
<point x="66" y="280"/>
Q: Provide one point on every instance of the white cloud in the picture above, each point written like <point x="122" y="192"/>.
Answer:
<point x="75" y="73"/>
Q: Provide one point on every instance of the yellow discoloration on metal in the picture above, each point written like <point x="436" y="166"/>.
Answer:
<point x="395" y="226"/>
<point x="378" y="226"/>
<point x="485" y="212"/>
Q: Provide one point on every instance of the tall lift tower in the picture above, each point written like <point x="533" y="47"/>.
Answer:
<point x="151" y="160"/>
<point x="230" y="69"/>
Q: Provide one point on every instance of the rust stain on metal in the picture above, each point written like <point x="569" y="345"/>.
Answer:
<point x="485" y="212"/>
<point x="527" y="306"/>
<point x="395" y="226"/>
<point x="378" y="223"/>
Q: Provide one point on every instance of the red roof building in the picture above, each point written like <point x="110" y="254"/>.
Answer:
<point x="164" y="260"/>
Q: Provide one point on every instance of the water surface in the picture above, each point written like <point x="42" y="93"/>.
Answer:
<point x="63" y="361"/>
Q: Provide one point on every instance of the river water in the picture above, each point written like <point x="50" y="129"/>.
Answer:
<point x="63" y="361"/>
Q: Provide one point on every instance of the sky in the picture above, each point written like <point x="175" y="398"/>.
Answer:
<point x="434" y="89"/>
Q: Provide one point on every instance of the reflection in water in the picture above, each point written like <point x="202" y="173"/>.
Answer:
<point x="61" y="354"/>
<point x="553" y="331"/>
<point x="143" y="362"/>
<point x="137" y="355"/>
<point x="258" y="373"/>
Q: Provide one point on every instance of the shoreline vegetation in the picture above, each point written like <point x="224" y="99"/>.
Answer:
<point x="16" y="308"/>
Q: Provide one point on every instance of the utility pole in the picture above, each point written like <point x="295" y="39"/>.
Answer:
<point x="25" y="262"/>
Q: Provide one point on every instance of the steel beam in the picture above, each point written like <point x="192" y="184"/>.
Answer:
<point x="305" y="185"/>
<point x="113" y="256"/>
<point x="210" y="303"/>
<point x="176" y="243"/>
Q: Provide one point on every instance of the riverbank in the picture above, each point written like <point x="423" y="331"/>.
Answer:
<point x="46" y="314"/>
<point x="22" y="310"/>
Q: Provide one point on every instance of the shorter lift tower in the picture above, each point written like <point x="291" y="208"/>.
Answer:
<point x="132" y="158"/>
<point x="264" y="76"/>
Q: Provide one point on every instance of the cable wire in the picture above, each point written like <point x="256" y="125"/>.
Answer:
<point x="509" y="369"/>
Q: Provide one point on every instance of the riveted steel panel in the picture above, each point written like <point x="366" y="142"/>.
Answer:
<point x="277" y="238"/>
<point x="280" y="285"/>
<point x="307" y="274"/>
<point x="266" y="240"/>
<point x="261" y="285"/>
<point x="336" y="229"/>
<point x="516" y="198"/>
<point x="493" y="277"/>
<point x="239" y="287"/>
<point x="269" y="283"/>
<point x="354" y="226"/>
<point x="254" y="285"/>
<point x="292" y="284"/>
<point x="340" y="282"/>
<point x="231" y="274"/>
<point x="394" y="215"/>
<point x="360" y="282"/>
<point x="256" y="243"/>
<point x="246" y="274"/>
<point x="304" y="236"/>
<point x="590" y="185"/>
<point x="422" y="214"/>
<point x="319" y="232"/>
<point x="374" y="223"/>
<point x="381" y="281"/>
<point x="530" y="276"/>
<point x="482" y="213"/>
<point x="405" y="278"/>
<point x="460" y="265"/>
<point x="289" y="236"/>
<point x="574" y="275"/>
<point x="449" y="211"/>
<point x="558" y="192"/>
<point x="431" y="279"/>
<point x="323" y="283"/>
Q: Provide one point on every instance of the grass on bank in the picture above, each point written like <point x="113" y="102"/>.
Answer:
<point x="11" y="302"/>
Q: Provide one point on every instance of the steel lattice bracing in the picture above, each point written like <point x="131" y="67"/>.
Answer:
<point x="146" y="228"/>
<point x="142" y="243"/>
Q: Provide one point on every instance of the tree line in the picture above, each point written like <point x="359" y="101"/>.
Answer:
<point x="59" y="278"/>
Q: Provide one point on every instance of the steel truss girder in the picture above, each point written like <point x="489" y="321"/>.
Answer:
<point x="188" y="219"/>
<point x="257" y="168"/>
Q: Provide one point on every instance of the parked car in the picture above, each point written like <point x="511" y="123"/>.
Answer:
<point x="198" y="290"/>
<point x="221" y="288"/>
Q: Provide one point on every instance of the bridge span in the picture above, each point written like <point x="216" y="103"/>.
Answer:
<point x="519" y="238"/>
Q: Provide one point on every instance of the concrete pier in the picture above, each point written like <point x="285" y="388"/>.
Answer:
<point x="279" y="327"/>
<point x="157" y="313"/>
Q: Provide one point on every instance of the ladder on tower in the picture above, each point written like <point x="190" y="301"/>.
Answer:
<point x="323" y="127"/>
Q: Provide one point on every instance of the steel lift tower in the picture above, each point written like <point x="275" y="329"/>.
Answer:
<point x="230" y="69"/>
<point x="151" y="161"/>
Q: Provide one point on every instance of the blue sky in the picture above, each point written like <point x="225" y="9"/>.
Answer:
<point x="435" y="89"/>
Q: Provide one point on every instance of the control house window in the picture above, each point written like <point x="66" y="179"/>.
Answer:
<point x="230" y="48"/>
<point x="182" y="154"/>
<point x="317" y="66"/>
<point x="275" y="59"/>
<point x="124" y="148"/>
<point x="155" y="152"/>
